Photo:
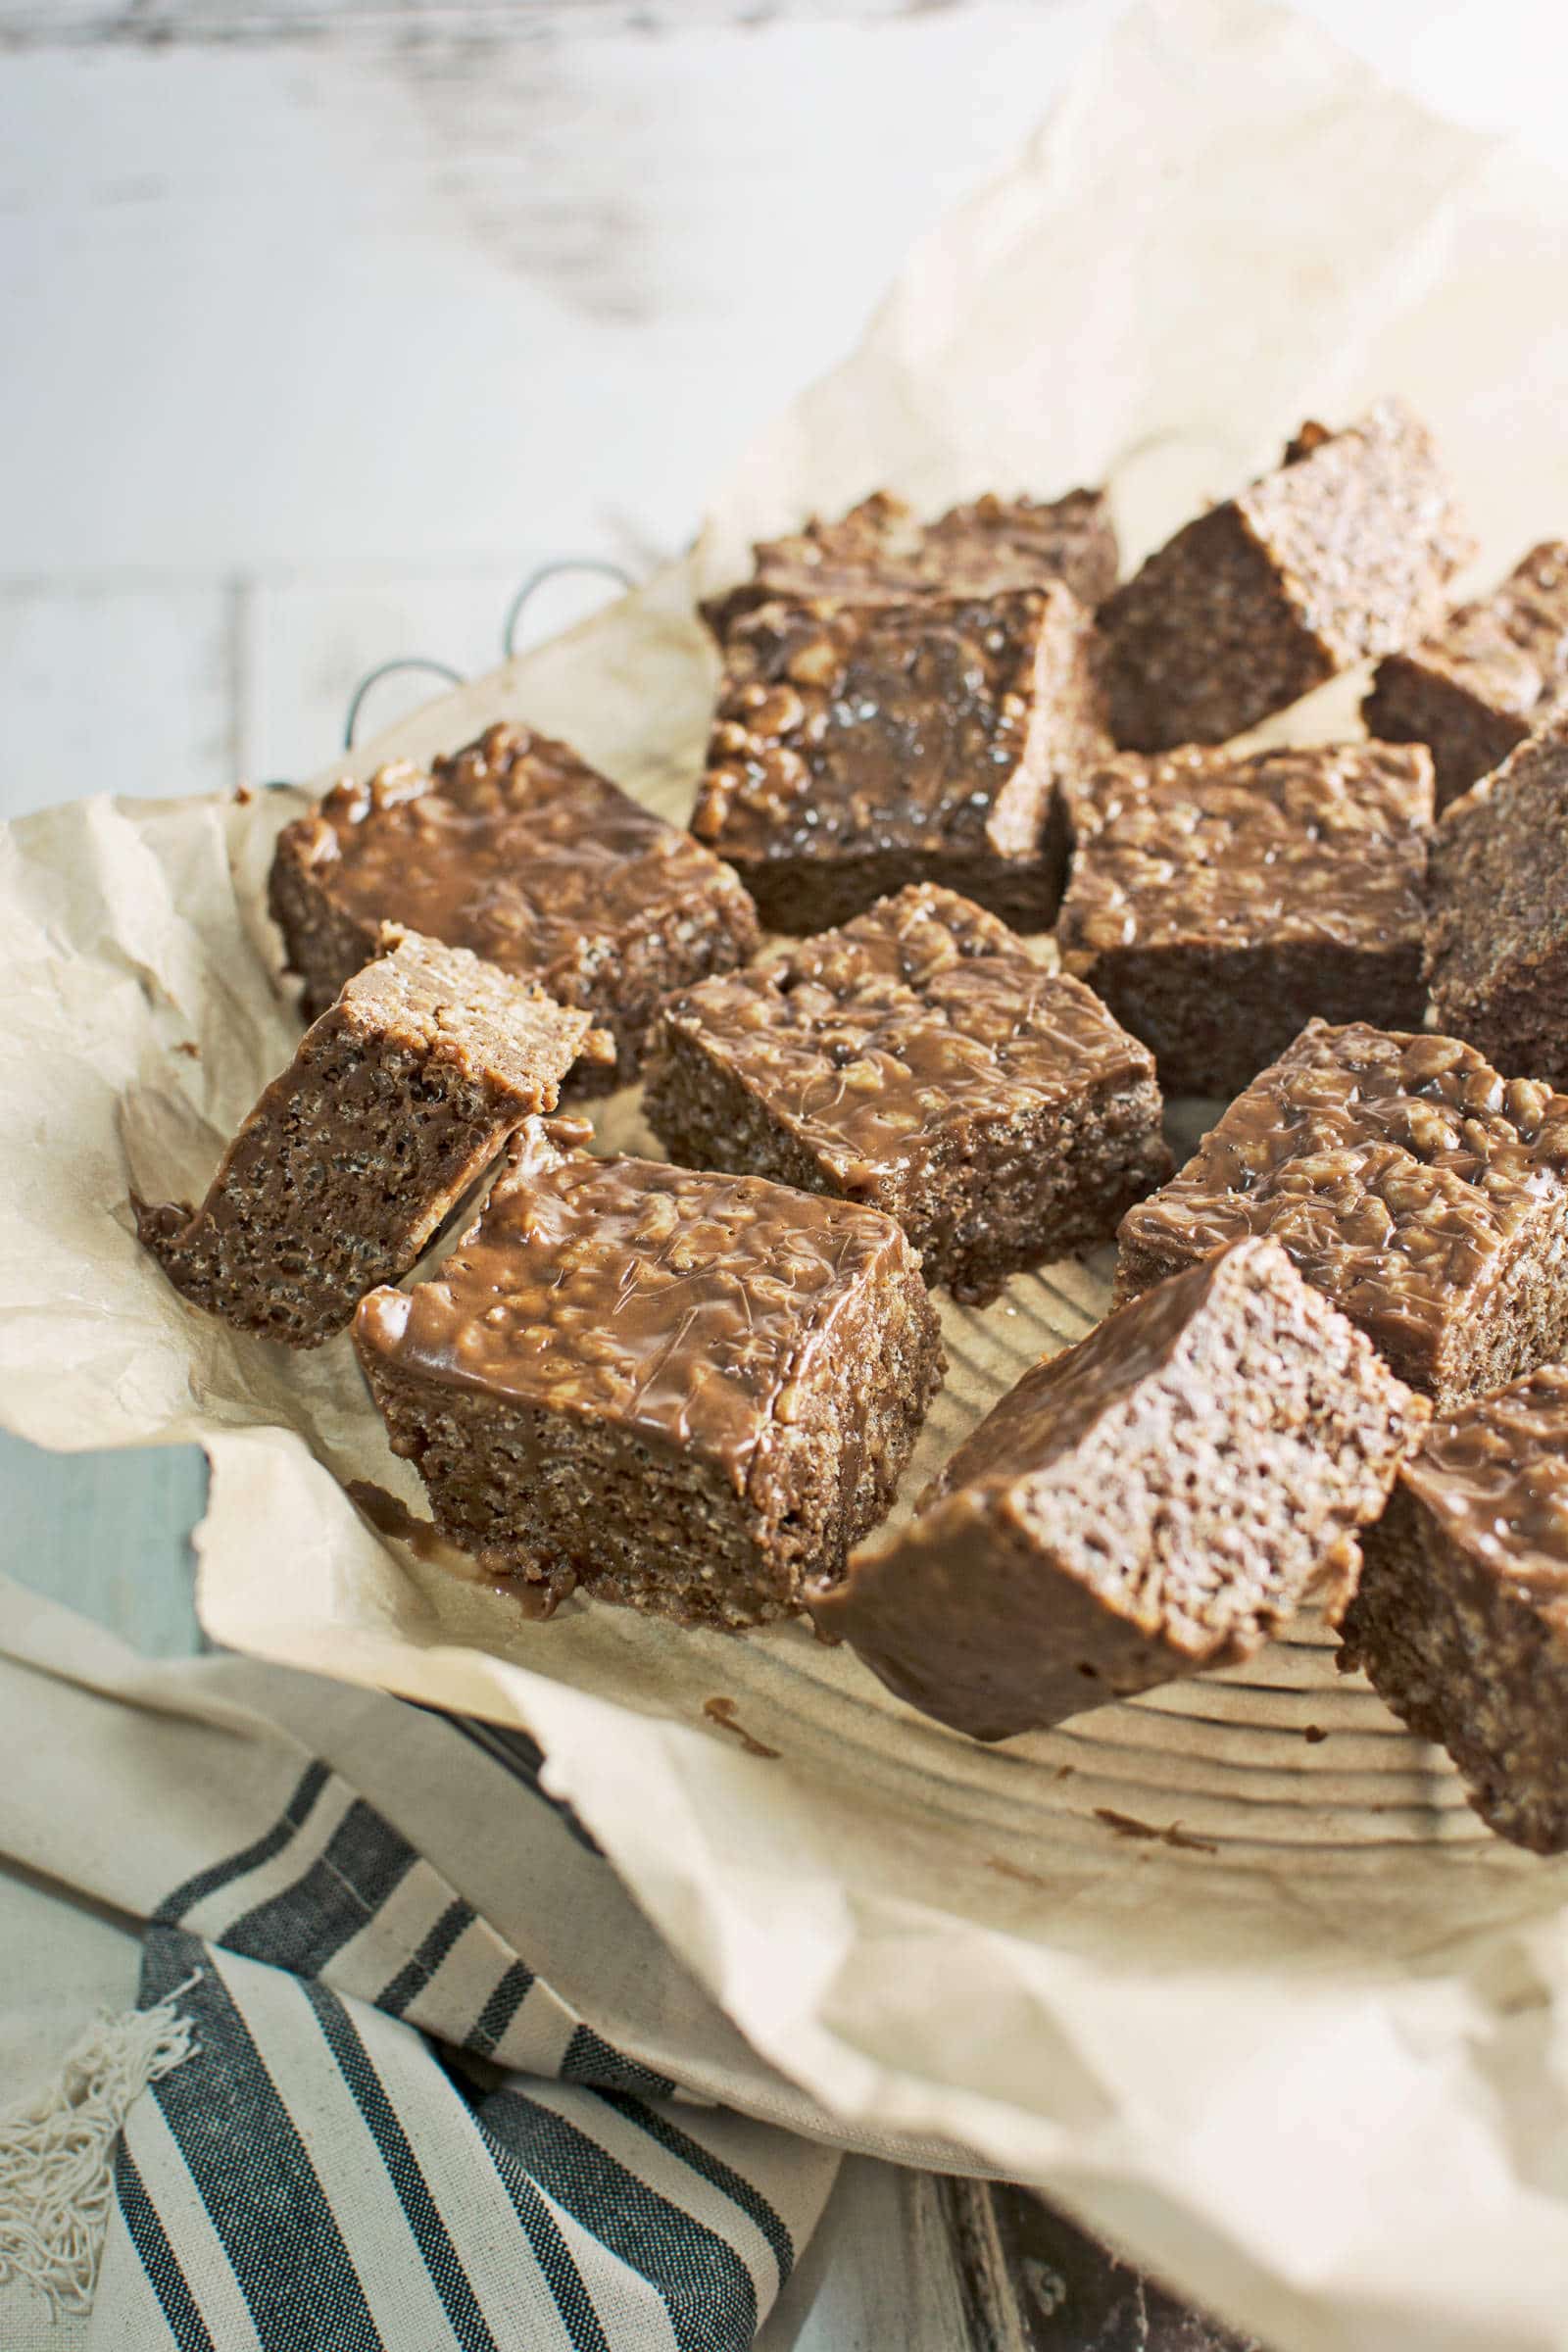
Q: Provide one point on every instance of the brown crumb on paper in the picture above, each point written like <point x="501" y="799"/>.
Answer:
<point x="1023" y="1878"/>
<point x="390" y="1516"/>
<point x="1315" y="1734"/>
<point x="722" y="1712"/>
<point x="189" y="1047"/>
<point x="1125" y="1826"/>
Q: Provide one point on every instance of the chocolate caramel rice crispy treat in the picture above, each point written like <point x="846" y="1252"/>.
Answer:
<point x="1344" y="552"/>
<point x="1422" y="1192"/>
<point x="398" y="1099"/>
<point x="922" y="1061"/>
<point x="878" y="553"/>
<point x="1461" y="1621"/>
<point x="858" y="748"/>
<point x="1217" y="902"/>
<point x="684" y="1392"/>
<point x="1492" y="673"/>
<point x="1152" y="1502"/>
<point x="515" y="848"/>
<point x="1497" y="951"/>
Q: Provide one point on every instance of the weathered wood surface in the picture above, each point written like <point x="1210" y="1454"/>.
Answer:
<point x="144" y="22"/>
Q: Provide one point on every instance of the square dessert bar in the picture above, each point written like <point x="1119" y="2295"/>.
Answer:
<point x="857" y="748"/>
<point x="1461" y="1621"/>
<point x="879" y="552"/>
<point x="1496" y="953"/>
<point x="1495" y="672"/>
<point x="1217" y="902"/>
<point x="398" y="1099"/>
<point x="1152" y="1502"/>
<point x="684" y="1392"/>
<point x="1344" y="552"/>
<point x="517" y="849"/>
<point x="1424" y="1195"/>
<point x="922" y="1061"/>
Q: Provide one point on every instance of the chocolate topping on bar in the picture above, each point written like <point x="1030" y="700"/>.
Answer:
<point x="1495" y="1472"/>
<point x="1462" y="1619"/>
<point x="1496" y="946"/>
<point x="1496" y="670"/>
<point x="899" y="1036"/>
<point x="879" y="552"/>
<point x="1397" y="1171"/>
<point x="1511" y="647"/>
<point x="512" y="847"/>
<point x="1203" y="848"/>
<point x="681" y="1306"/>
<point x="880" y="727"/>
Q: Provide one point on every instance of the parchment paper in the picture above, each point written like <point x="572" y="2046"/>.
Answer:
<point x="1305" y="2051"/>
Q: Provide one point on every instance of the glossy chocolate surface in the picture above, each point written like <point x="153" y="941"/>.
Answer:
<point x="1324" y="844"/>
<point x="900" y="1037"/>
<point x="925" y="726"/>
<point x="879" y="552"/>
<point x="514" y="848"/>
<point x="1495" y="1474"/>
<point x="683" y="1306"/>
<point x="1397" y="1171"/>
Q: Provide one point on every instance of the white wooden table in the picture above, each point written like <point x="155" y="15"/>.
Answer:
<point x="328" y="321"/>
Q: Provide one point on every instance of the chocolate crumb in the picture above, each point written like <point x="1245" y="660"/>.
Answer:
<point x="1315" y="1734"/>
<point x="1024" y="1878"/>
<point x="1126" y="1825"/>
<point x="390" y="1516"/>
<point x="722" y="1712"/>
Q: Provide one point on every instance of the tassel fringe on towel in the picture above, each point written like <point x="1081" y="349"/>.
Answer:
<point x="57" y="2151"/>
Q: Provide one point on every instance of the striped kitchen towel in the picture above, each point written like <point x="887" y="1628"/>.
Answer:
<point x="361" y="2100"/>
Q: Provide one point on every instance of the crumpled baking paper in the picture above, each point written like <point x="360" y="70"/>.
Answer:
<point x="1271" y="2010"/>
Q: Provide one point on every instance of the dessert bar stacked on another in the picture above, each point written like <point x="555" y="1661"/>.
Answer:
<point x="398" y="1099"/>
<point x="686" y="1392"/>
<point x="1152" y="1502"/>
<point x="1490" y="675"/>
<point x="517" y="849"/>
<point x="1344" y="551"/>
<point x="879" y="552"/>
<point x="1461" y="1620"/>
<point x="1217" y="902"/>
<point x="1498" y="938"/>
<point x="860" y="746"/>
<point x="919" y="1060"/>
<point x="1426" y="1196"/>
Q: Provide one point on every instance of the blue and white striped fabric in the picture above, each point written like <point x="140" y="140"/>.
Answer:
<point x="389" y="2134"/>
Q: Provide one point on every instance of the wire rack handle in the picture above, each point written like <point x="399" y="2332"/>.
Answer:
<point x="600" y="565"/>
<point x="387" y="669"/>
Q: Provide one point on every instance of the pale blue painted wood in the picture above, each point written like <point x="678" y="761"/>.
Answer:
<point x="108" y="1534"/>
